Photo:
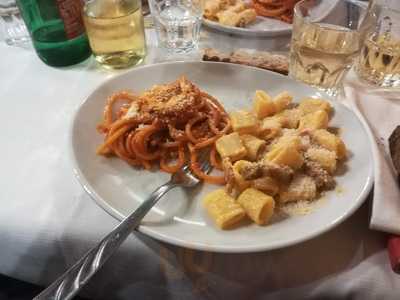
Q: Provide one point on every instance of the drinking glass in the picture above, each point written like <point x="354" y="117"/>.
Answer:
<point x="116" y="32"/>
<point x="12" y="26"/>
<point x="379" y="61"/>
<point x="324" y="47"/>
<point x="177" y="23"/>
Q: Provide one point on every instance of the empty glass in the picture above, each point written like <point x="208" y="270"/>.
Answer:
<point x="177" y="23"/>
<point x="12" y="27"/>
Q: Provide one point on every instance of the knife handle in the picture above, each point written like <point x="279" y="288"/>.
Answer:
<point x="393" y="246"/>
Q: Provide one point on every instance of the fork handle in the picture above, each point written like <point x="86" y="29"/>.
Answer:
<point x="68" y="284"/>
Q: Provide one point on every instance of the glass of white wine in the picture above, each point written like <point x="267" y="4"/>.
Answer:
<point x="115" y="30"/>
<point x="379" y="61"/>
<point x="326" y="40"/>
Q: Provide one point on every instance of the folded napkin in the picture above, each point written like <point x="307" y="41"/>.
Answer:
<point x="381" y="110"/>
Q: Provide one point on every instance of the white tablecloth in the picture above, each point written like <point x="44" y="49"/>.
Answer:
<point x="47" y="221"/>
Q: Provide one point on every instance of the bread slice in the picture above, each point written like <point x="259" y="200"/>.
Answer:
<point x="260" y="59"/>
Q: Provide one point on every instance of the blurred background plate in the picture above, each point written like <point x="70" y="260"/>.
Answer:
<point x="267" y="26"/>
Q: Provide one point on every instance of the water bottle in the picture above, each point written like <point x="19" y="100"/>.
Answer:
<point x="57" y="30"/>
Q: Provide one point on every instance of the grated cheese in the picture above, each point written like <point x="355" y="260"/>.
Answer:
<point x="133" y="111"/>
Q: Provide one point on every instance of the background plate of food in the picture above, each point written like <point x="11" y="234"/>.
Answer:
<point x="255" y="17"/>
<point x="250" y="118"/>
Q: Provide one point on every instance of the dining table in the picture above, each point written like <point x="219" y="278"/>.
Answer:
<point x="48" y="221"/>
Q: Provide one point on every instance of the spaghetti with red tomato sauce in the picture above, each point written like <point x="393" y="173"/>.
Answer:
<point x="166" y="127"/>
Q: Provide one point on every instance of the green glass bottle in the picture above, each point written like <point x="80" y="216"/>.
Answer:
<point x="57" y="30"/>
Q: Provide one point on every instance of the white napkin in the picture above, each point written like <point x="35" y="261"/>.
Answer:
<point x="381" y="110"/>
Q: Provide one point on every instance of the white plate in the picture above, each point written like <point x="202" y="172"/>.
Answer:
<point x="261" y="27"/>
<point x="267" y="26"/>
<point x="179" y="218"/>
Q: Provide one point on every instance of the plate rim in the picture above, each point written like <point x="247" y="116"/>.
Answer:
<point x="199" y="245"/>
<point x="246" y="31"/>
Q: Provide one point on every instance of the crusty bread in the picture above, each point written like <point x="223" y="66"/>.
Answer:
<point x="260" y="59"/>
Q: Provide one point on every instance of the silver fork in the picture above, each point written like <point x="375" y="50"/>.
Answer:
<point x="68" y="284"/>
